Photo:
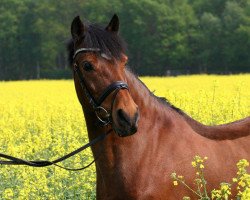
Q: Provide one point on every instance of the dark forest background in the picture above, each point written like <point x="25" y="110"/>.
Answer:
<point x="163" y="36"/>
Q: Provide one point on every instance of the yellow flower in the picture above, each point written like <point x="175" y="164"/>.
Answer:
<point x="242" y="184"/>
<point x="201" y="166"/>
<point x="175" y="183"/>
<point x="8" y="193"/>
<point x="193" y="164"/>
<point x="235" y="180"/>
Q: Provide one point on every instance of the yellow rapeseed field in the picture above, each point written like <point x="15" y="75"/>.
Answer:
<point x="43" y="120"/>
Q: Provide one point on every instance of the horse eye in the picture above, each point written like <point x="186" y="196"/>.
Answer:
<point x="87" y="66"/>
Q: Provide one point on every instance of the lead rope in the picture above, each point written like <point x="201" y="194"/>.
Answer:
<point x="44" y="163"/>
<point x="86" y="166"/>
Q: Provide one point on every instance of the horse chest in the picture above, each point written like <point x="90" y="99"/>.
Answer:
<point x="132" y="184"/>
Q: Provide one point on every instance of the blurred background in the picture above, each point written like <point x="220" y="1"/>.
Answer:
<point x="164" y="37"/>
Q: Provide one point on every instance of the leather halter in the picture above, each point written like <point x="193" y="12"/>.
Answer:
<point x="96" y="104"/>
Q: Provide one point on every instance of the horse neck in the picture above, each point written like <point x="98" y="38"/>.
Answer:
<point x="149" y="105"/>
<point x="152" y="112"/>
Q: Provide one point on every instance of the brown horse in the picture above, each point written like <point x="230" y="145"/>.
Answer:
<point x="165" y="139"/>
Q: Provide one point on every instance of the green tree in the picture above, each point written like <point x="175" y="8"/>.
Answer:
<point x="236" y="29"/>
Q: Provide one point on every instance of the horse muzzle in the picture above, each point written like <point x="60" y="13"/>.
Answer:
<point x="125" y="125"/>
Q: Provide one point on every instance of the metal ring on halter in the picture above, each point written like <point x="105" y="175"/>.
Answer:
<point x="100" y="109"/>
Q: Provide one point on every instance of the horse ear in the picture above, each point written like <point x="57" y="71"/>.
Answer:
<point x="77" y="28"/>
<point x="113" y="25"/>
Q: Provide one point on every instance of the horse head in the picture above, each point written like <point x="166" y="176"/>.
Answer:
<point x="98" y="61"/>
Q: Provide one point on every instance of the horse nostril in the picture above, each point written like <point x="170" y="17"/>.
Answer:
<point x="123" y="116"/>
<point x="133" y="129"/>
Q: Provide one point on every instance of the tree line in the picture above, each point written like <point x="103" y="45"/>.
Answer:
<point x="163" y="36"/>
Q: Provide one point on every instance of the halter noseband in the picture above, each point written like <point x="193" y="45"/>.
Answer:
<point x="96" y="104"/>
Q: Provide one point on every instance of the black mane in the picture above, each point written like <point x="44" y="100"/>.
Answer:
<point x="162" y="100"/>
<point x="97" y="37"/>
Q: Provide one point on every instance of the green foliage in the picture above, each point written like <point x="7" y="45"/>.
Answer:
<point x="183" y="36"/>
<point x="224" y="192"/>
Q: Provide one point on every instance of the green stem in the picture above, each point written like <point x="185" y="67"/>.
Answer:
<point x="199" y="189"/>
<point x="188" y="187"/>
<point x="204" y="183"/>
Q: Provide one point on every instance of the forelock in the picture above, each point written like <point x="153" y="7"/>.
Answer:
<point x="96" y="36"/>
